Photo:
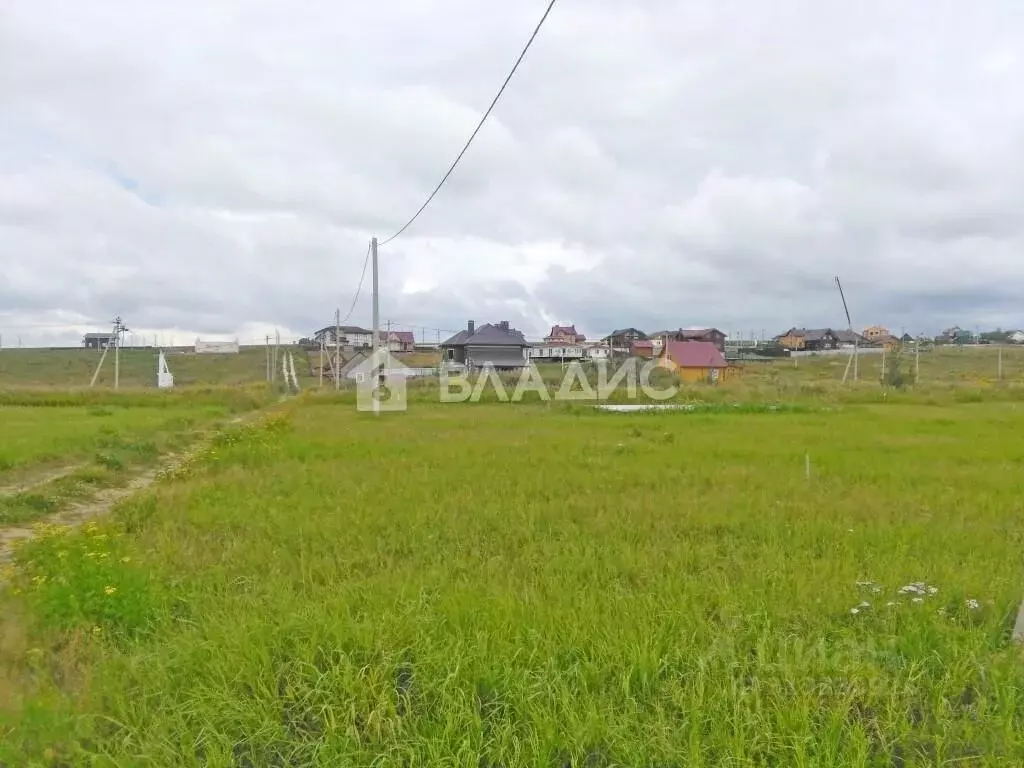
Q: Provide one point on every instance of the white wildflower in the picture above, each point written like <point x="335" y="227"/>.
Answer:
<point x="932" y="590"/>
<point x="855" y="611"/>
<point x="973" y="604"/>
<point x="917" y="600"/>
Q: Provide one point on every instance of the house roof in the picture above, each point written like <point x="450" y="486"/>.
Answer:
<point x="849" y="337"/>
<point x="568" y="330"/>
<point x="623" y="331"/>
<point x="487" y="335"/>
<point x="405" y="337"/>
<point x="343" y="329"/>
<point x="100" y="335"/>
<point x="809" y="334"/>
<point x="695" y="354"/>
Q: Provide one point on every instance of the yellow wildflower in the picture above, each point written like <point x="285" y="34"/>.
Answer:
<point x="109" y="590"/>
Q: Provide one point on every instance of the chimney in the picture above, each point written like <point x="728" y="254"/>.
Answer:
<point x="504" y="325"/>
<point x="471" y="327"/>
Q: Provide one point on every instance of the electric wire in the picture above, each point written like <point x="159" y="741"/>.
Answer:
<point x="476" y="130"/>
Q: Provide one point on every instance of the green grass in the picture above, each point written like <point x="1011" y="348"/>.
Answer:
<point x="62" y="447"/>
<point x="499" y="585"/>
<point x="44" y="435"/>
<point x="75" y="368"/>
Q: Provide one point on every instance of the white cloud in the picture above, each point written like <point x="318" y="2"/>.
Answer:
<point x="219" y="165"/>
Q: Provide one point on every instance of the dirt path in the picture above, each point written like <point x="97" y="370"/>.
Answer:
<point x="40" y="478"/>
<point x="100" y="503"/>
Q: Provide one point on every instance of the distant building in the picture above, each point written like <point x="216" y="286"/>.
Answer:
<point x="1017" y="337"/>
<point x="564" y="334"/>
<point x="398" y="341"/>
<point x="808" y="339"/>
<point x="696" y="361"/>
<point x="98" y="340"/>
<point x="876" y="333"/>
<point x="850" y="338"/>
<point x="216" y="347"/>
<point x="557" y="351"/>
<point x="712" y="335"/>
<point x="624" y="338"/>
<point x="348" y="335"/>
<point x="493" y="344"/>
<point x="642" y="348"/>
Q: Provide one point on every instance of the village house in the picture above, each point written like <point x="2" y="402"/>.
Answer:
<point x="1017" y="337"/>
<point x="712" y="335"/>
<point x="642" y="348"/>
<point x="399" y="341"/>
<point x="557" y="351"/>
<point x="98" y="340"/>
<point x="849" y="338"/>
<point x="876" y="333"/>
<point x="624" y="338"/>
<point x="696" y="361"/>
<point x="348" y="335"/>
<point x="491" y="344"/>
<point x="564" y="334"/>
<point x="808" y="339"/>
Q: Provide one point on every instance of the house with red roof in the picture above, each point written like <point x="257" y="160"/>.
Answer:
<point x="564" y="334"/>
<point x="696" y="361"/>
<point x="399" y="341"/>
<point x="642" y="348"/>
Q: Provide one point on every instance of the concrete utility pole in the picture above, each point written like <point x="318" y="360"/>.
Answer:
<point x="337" y="349"/>
<point x="917" y="360"/>
<point x="119" y="329"/>
<point x="268" y="358"/>
<point x="376" y="326"/>
<point x="999" y="364"/>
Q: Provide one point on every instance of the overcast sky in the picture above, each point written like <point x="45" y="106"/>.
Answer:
<point x="216" y="167"/>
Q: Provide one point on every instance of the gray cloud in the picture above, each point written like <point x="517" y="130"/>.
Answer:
<point x="217" y="167"/>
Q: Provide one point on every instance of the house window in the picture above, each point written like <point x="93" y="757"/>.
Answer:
<point x="451" y="353"/>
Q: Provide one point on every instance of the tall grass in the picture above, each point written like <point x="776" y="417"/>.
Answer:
<point x="520" y="586"/>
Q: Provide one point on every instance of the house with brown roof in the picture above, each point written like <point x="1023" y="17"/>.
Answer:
<point x="696" y="361"/>
<point x="808" y="339"/>
<point x="642" y="348"/>
<point x="712" y="335"/>
<point x="564" y="334"/>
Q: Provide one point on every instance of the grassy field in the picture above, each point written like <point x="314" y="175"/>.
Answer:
<point x="75" y="368"/>
<point x="57" y="448"/>
<point x="543" y="585"/>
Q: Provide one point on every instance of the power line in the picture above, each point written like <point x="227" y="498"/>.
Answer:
<point x="483" y="119"/>
<point x="359" y="288"/>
